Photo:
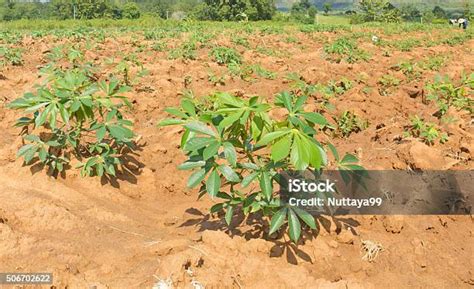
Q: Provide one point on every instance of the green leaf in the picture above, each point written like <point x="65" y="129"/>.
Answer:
<point x="315" y="118"/>
<point x="315" y="154"/>
<point x="334" y="151"/>
<point x="213" y="183"/>
<point x="41" y="118"/>
<point x="100" y="133"/>
<point x="249" y="179"/>
<point x="191" y="165"/>
<point x="294" y="226"/>
<point x="176" y="112"/>
<point x="228" y="214"/>
<point x="211" y="150"/>
<point x="249" y="166"/>
<point x="170" y="121"/>
<point x="348" y="159"/>
<point x="299" y="153"/>
<point x="64" y="113"/>
<point x="229" y="120"/>
<point x="300" y="102"/>
<point x="281" y="148"/>
<point x="197" y="143"/>
<point x="216" y="208"/>
<point x="24" y="149"/>
<point x="277" y="220"/>
<point x="184" y="138"/>
<point x="33" y="138"/>
<point x="285" y="99"/>
<point x="196" y="178"/>
<point x="306" y="217"/>
<point x="200" y="127"/>
<point x="99" y="168"/>
<point x="228" y="173"/>
<point x="30" y="154"/>
<point x="119" y="132"/>
<point x="36" y="107"/>
<point x="42" y="154"/>
<point x="230" y="153"/>
<point x="271" y="136"/>
<point x="188" y="106"/>
<point x="266" y="185"/>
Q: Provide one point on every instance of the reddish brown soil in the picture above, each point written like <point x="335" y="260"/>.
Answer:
<point x="146" y="225"/>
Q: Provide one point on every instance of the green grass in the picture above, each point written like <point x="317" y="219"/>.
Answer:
<point x="333" y="19"/>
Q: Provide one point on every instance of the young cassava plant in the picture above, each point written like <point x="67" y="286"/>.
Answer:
<point x="235" y="150"/>
<point x="74" y="115"/>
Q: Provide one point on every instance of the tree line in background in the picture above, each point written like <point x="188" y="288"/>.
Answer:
<point x="380" y="11"/>
<point x="118" y="9"/>
<point x="218" y="10"/>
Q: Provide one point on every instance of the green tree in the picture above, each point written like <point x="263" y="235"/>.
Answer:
<point x="304" y="11"/>
<point x="300" y="7"/>
<point x="410" y="12"/>
<point x="378" y="10"/>
<point x="327" y="8"/>
<point x="235" y="10"/>
<point x="467" y="13"/>
<point x="439" y="12"/>
<point x="131" y="10"/>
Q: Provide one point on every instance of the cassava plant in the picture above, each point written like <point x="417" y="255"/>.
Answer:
<point x="73" y="115"/>
<point x="236" y="149"/>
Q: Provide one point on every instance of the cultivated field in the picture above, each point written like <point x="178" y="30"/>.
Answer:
<point x="397" y="96"/>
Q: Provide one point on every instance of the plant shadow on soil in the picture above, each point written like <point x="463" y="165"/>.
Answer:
<point x="130" y="168"/>
<point x="256" y="228"/>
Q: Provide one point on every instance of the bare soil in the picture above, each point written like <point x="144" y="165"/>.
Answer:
<point x="145" y="225"/>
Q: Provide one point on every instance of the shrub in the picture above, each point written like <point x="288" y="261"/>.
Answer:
<point x="378" y="10"/>
<point x="235" y="10"/>
<point x="349" y="123"/>
<point x="426" y="131"/>
<point x="345" y="49"/>
<point x="447" y="93"/>
<point x="224" y="55"/>
<point x="75" y="116"/>
<point x="131" y="10"/>
<point x="10" y="56"/>
<point x="236" y="148"/>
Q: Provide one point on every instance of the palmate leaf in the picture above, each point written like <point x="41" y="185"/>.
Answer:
<point x="254" y="147"/>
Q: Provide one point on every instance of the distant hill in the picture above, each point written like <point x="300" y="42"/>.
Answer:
<point x="351" y="4"/>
